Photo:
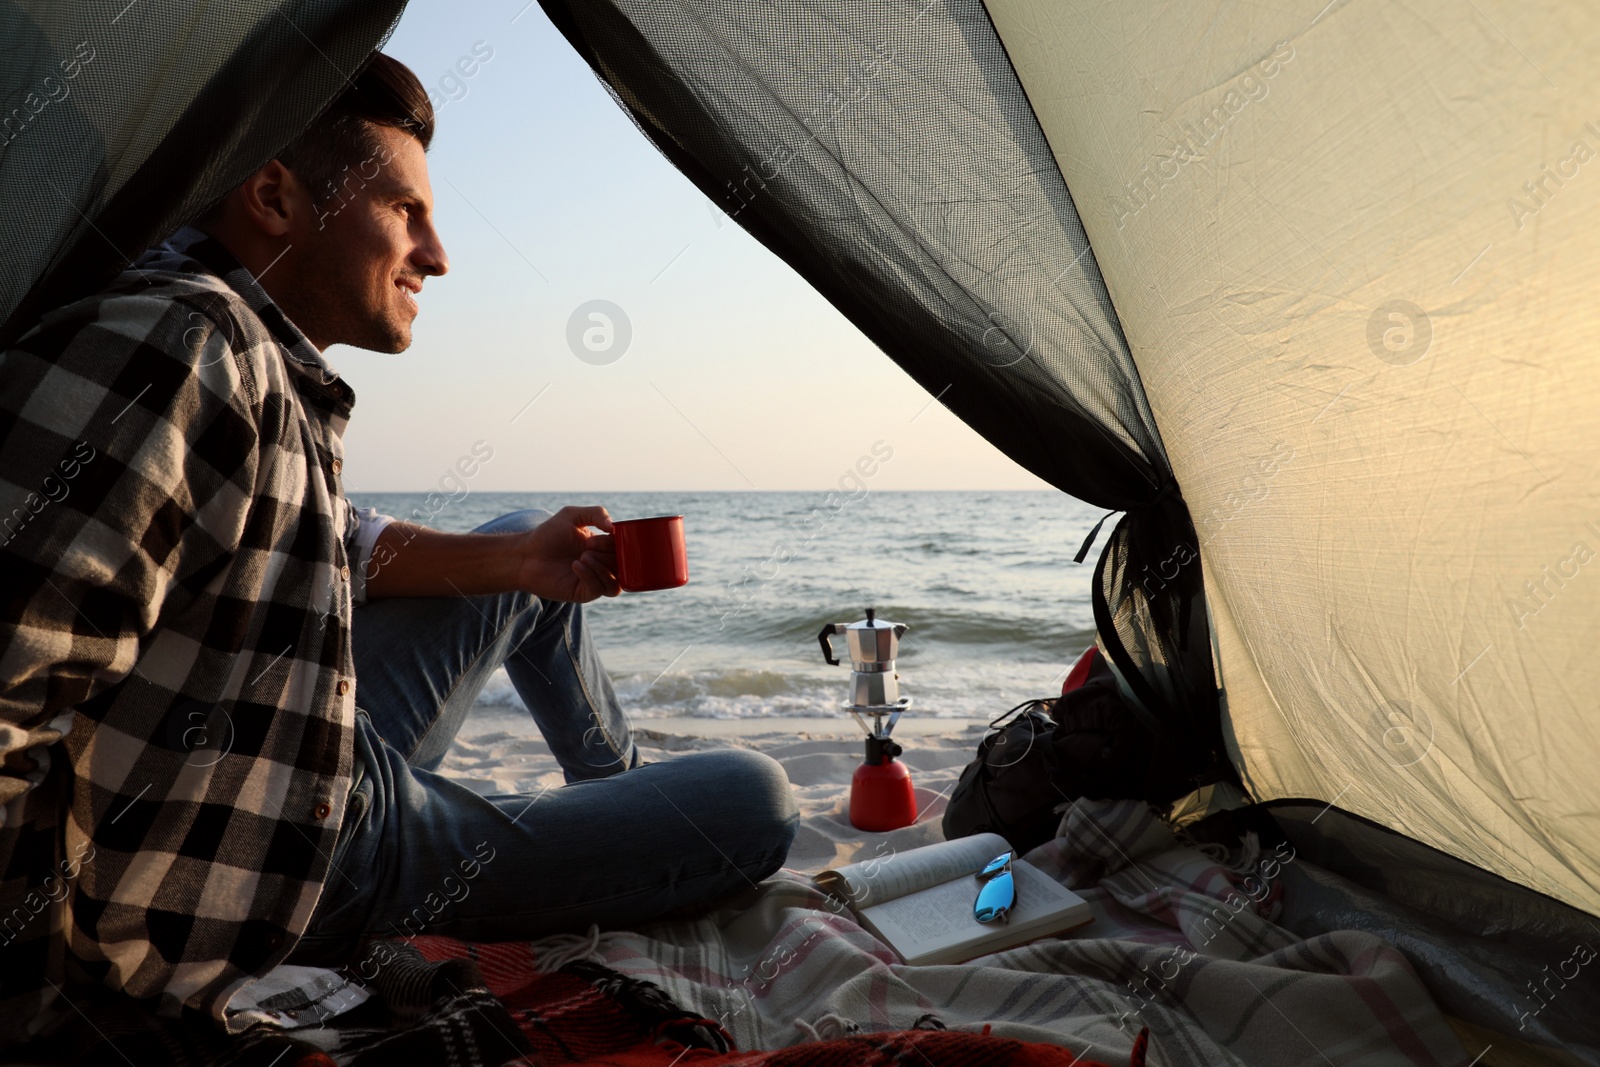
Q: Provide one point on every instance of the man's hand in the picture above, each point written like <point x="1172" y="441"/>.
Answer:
<point x="563" y="559"/>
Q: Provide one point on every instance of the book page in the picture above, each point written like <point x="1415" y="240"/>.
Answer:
<point x="883" y="878"/>
<point x="936" y="925"/>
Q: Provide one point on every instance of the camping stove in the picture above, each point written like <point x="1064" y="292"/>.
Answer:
<point x="880" y="792"/>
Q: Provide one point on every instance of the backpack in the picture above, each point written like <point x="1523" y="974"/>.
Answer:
<point x="1045" y="753"/>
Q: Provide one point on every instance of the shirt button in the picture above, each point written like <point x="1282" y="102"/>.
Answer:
<point x="321" y="811"/>
<point x="344" y="573"/>
<point x="344" y="686"/>
<point x="337" y="466"/>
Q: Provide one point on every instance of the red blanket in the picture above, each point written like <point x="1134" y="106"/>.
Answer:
<point x="442" y="1001"/>
<point x="586" y="1013"/>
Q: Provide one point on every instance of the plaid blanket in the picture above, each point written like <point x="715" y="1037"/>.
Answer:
<point x="446" y="1002"/>
<point x="1182" y="962"/>
<point x="1182" y="943"/>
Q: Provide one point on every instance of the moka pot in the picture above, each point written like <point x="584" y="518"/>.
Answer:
<point x="881" y="794"/>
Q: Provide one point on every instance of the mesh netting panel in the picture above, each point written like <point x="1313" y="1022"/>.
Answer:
<point x="889" y="152"/>
<point x="886" y="150"/>
<point x="1149" y="609"/>
<point x="119" y="121"/>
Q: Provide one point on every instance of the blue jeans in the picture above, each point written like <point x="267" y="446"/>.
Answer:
<point x="620" y="844"/>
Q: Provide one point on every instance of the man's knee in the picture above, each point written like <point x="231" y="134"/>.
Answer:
<point x="760" y="786"/>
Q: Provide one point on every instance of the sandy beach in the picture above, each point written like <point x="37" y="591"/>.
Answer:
<point x="502" y="751"/>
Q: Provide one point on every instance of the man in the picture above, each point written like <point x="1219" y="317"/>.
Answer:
<point x="218" y="730"/>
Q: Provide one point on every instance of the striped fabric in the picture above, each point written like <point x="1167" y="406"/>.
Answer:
<point x="454" y="1004"/>
<point x="176" y="684"/>
<point x="1180" y="944"/>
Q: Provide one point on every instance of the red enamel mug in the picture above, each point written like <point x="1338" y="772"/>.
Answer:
<point x="650" y="553"/>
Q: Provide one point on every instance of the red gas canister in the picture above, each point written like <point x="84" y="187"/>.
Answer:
<point x="881" y="797"/>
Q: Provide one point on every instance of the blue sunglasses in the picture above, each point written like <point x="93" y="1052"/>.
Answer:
<point x="999" y="893"/>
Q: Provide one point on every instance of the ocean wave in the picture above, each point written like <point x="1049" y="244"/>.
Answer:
<point x="934" y="548"/>
<point x="943" y="680"/>
<point x="498" y="692"/>
<point x="951" y="691"/>
<point x="939" y="686"/>
<point x="961" y="628"/>
<point x="950" y="627"/>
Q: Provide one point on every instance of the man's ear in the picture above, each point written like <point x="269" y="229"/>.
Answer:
<point x="274" y="200"/>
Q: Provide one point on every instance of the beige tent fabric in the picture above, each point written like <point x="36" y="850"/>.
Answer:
<point x="1354" y="248"/>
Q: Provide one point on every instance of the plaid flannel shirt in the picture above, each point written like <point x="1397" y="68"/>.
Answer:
<point x="178" y="563"/>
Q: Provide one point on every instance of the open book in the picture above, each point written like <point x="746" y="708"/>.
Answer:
<point x="920" y="902"/>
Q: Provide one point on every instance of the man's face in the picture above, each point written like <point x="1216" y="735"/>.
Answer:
<point x="360" y="261"/>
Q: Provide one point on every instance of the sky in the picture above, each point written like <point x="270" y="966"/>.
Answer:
<point x="737" y="374"/>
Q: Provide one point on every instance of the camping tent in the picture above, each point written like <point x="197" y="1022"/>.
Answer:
<point x="1318" y="266"/>
<point x="1298" y="289"/>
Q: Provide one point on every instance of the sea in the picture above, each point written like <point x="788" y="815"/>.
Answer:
<point x="996" y="608"/>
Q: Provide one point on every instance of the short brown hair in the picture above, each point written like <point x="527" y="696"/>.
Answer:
<point x="385" y="93"/>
